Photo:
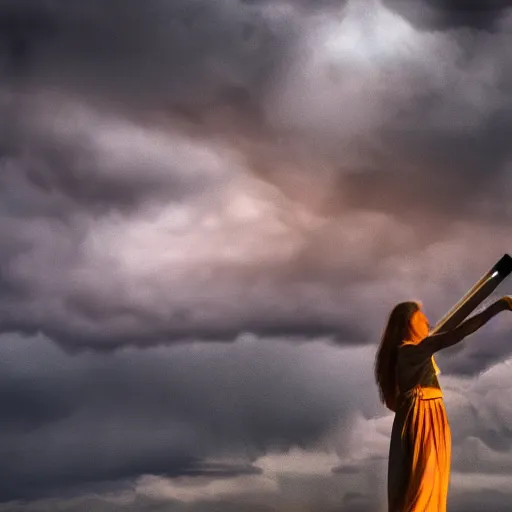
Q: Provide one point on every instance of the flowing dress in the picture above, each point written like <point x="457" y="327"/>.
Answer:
<point x="420" y="448"/>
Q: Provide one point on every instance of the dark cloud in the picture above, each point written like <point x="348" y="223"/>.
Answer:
<point x="147" y="55"/>
<point x="450" y="14"/>
<point x="204" y="71"/>
<point x="171" y="413"/>
<point x="157" y="412"/>
<point x="471" y="501"/>
<point x="58" y="181"/>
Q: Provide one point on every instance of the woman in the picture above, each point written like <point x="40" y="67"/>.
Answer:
<point x="406" y="375"/>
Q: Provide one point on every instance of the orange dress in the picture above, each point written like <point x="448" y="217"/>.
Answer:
<point x="420" y="448"/>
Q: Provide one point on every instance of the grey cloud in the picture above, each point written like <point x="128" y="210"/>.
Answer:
<point x="125" y="408"/>
<point x="151" y="55"/>
<point x="59" y="159"/>
<point x="203" y="65"/>
<point x="449" y="14"/>
<point x="163" y="412"/>
<point x="354" y="502"/>
<point x="145" y="505"/>
<point x="417" y="92"/>
<point x="346" y="290"/>
<point x="472" y="501"/>
<point x="200" y="69"/>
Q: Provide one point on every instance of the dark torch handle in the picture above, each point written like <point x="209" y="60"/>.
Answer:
<point x="475" y="296"/>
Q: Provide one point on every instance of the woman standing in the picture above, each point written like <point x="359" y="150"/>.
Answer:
<point x="406" y="375"/>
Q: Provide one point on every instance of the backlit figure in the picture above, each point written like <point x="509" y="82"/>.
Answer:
<point x="406" y="375"/>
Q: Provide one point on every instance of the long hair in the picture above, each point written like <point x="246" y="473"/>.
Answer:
<point x="396" y="331"/>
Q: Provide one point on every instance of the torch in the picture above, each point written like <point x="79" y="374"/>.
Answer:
<point x="475" y="296"/>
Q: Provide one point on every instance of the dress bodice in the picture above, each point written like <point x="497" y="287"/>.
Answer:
<point x="415" y="367"/>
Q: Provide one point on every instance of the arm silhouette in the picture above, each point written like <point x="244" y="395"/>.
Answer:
<point x="447" y="339"/>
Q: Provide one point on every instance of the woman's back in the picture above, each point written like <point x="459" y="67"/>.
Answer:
<point x="415" y="367"/>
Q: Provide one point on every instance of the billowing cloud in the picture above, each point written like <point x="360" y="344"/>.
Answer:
<point x="343" y="463"/>
<point x="162" y="412"/>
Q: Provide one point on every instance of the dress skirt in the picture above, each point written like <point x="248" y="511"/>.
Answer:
<point x="420" y="454"/>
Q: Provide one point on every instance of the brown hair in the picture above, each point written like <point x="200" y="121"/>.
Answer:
<point x="396" y="331"/>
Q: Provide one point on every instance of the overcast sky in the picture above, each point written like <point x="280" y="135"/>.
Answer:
<point x="207" y="210"/>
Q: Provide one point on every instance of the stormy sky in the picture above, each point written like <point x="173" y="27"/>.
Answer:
<point x="207" y="210"/>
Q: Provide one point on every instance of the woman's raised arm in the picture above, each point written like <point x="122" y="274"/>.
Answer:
<point x="447" y="339"/>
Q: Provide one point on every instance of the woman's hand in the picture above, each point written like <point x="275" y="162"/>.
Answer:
<point x="507" y="300"/>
